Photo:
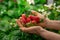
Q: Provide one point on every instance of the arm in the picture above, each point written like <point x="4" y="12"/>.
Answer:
<point x="39" y="31"/>
<point x="53" y="24"/>
<point x="48" y="35"/>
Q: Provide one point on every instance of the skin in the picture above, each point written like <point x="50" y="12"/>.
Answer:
<point x="51" y="24"/>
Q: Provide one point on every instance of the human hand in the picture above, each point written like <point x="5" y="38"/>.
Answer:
<point x="33" y="29"/>
<point x="45" y="20"/>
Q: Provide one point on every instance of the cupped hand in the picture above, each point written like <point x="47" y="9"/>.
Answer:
<point x="43" y="24"/>
<point x="33" y="29"/>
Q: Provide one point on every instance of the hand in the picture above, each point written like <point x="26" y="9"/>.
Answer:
<point x="38" y="14"/>
<point x="33" y="29"/>
<point x="43" y="24"/>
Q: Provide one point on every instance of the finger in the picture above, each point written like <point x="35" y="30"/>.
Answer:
<point x="38" y="14"/>
<point x="34" y="12"/>
<point x="19" y="23"/>
<point x="31" y="29"/>
<point x="20" y="19"/>
<point x="28" y="30"/>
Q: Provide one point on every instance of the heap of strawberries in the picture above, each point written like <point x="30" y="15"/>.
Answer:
<point x="31" y="19"/>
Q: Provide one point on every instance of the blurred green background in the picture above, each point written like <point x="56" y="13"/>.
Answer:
<point x="10" y="10"/>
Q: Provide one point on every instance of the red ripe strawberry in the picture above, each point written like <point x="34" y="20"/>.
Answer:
<point x="23" y="20"/>
<point x="28" y="20"/>
<point x="31" y="17"/>
<point x="33" y="21"/>
<point x="24" y="16"/>
<point x="37" y="19"/>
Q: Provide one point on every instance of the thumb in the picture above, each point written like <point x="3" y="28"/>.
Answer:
<point x="35" y="13"/>
<point x="19" y="23"/>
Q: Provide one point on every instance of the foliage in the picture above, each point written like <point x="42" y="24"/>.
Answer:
<point x="11" y="10"/>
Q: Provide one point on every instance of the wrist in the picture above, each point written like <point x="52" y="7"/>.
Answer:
<point x="46" y="20"/>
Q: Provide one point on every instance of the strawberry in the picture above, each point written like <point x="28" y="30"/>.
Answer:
<point x="31" y="17"/>
<point x="24" y="16"/>
<point x="28" y="20"/>
<point x="23" y="20"/>
<point x="37" y="19"/>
